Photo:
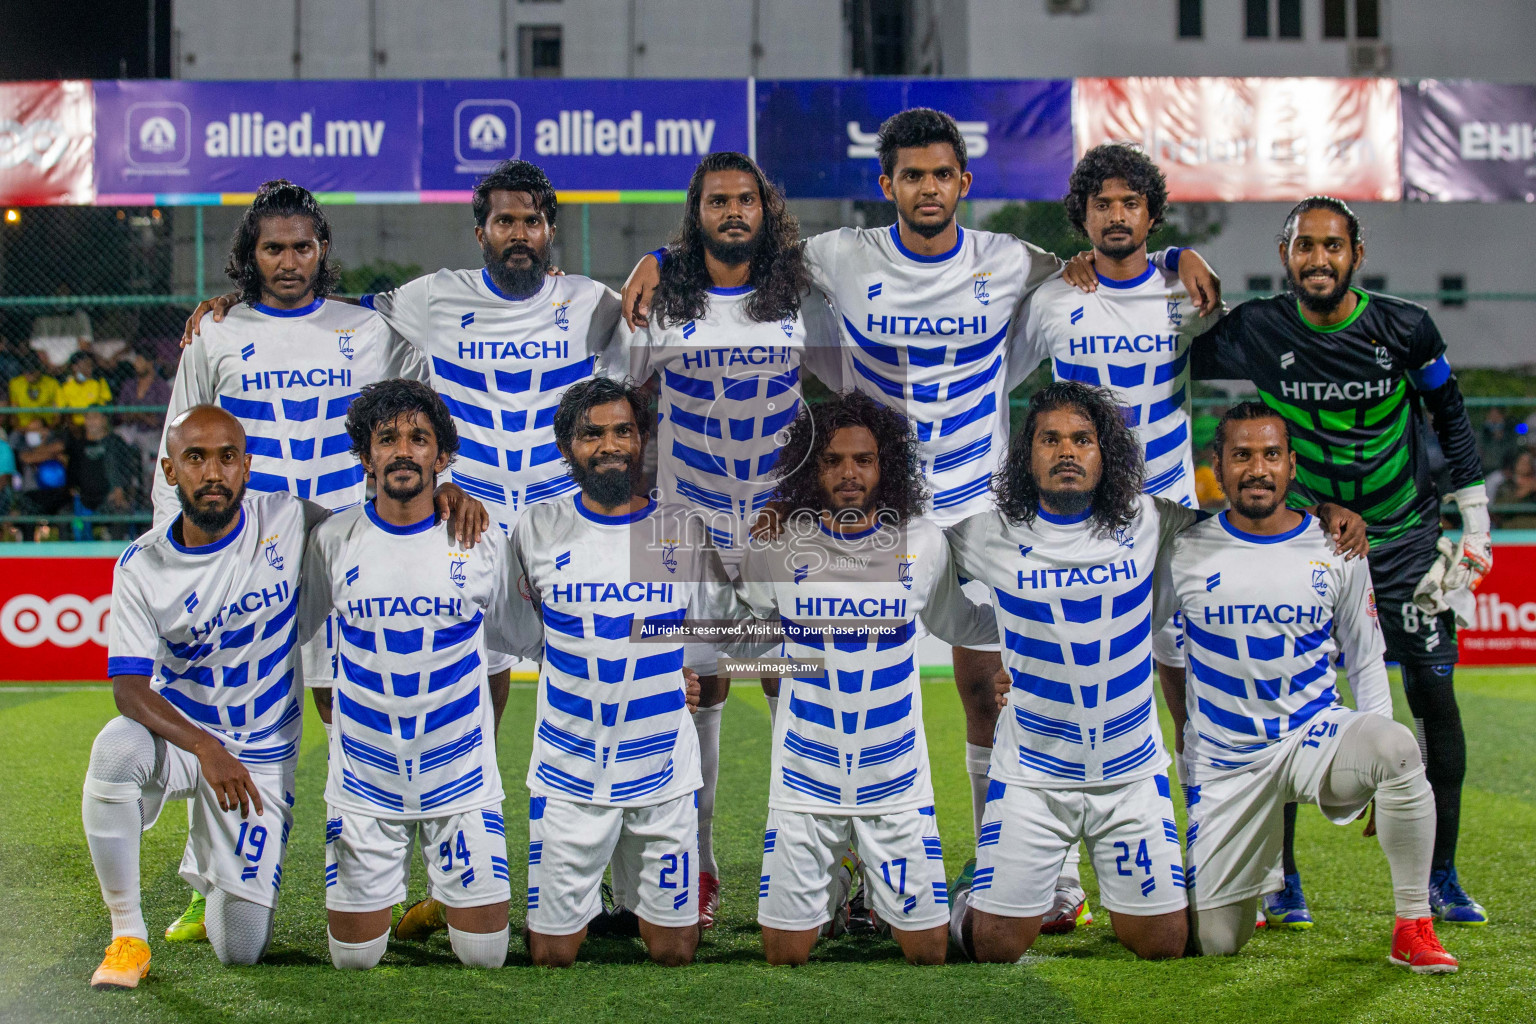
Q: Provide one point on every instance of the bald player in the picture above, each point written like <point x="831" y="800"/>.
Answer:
<point x="204" y="663"/>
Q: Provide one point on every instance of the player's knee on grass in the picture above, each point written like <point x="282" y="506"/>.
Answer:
<point x="924" y="947"/>
<point x="123" y="755"/>
<point x="669" y="947"/>
<point x="554" y="950"/>
<point x="1155" y="937"/>
<point x="784" y="948"/>
<point x="479" y="949"/>
<point x="357" y="956"/>
<point x="1001" y="940"/>
<point x="1222" y="931"/>
<point x="238" y="930"/>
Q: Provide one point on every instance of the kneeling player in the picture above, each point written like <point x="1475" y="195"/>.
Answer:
<point x="412" y="754"/>
<point x="850" y="762"/>
<point x="615" y="761"/>
<point x="207" y="603"/>
<point x="1269" y="608"/>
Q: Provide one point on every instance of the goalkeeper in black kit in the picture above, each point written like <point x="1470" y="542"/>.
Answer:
<point x="1353" y="372"/>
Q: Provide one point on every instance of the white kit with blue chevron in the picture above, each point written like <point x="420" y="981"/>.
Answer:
<point x="501" y="365"/>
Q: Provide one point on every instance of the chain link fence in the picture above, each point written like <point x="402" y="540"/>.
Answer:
<point x="93" y="300"/>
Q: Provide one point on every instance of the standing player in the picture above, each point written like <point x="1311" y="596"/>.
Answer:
<point x="1069" y="554"/>
<point x="1269" y="610"/>
<point x="207" y="605"/>
<point x="929" y="313"/>
<point x="734" y="319"/>
<point x="1132" y="336"/>
<point x="1350" y="371"/>
<point x="615" y="764"/>
<point x="850" y="761"/>
<point x="413" y="751"/>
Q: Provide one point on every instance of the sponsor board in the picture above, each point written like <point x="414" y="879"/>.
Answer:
<point x="54" y="615"/>
<point x="1503" y="631"/>
<point x="1469" y="141"/>
<point x="46" y="131"/>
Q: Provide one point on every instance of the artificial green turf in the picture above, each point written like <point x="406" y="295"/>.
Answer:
<point x="53" y="927"/>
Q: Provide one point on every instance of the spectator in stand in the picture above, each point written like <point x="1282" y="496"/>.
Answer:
<point x="84" y="386"/>
<point x="103" y="470"/>
<point x="8" y="478"/>
<point x="12" y="359"/>
<point x="40" y="454"/>
<point x="58" y="337"/>
<point x="1497" y="442"/>
<point x="143" y="429"/>
<point x="33" y="389"/>
<point x="1519" y="488"/>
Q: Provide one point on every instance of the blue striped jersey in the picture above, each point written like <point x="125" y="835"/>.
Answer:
<point x="1267" y="621"/>
<point x="849" y="738"/>
<point x="613" y="725"/>
<point x="413" y="733"/>
<point x="216" y="627"/>
<point x="288" y="376"/>
<point x="501" y="364"/>
<point x="929" y="336"/>
<point x="728" y="389"/>
<point x="1074" y="606"/>
<point x="1133" y="338"/>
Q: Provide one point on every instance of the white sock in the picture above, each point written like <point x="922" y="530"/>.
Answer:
<point x="707" y="723"/>
<point x="479" y="949"/>
<point x="1072" y="870"/>
<point x="1405" y="828"/>
<point x="357" y="956"/>
<point x="238" y="930"/>
<point x="112" y="833"/>
<point x="977" y="760"/>
<point x="773" y="711"/>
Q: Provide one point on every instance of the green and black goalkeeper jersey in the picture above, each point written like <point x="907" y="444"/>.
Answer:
<point x="1352" y="394"/>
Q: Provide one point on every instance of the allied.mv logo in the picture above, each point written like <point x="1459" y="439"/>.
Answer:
<point x="563" y="315"/>
<point x="487" y="133"/>
<point x="157" y="135"/>
<point x="344" y="342"/>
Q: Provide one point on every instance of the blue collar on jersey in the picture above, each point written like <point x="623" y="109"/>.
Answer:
<point x="205" y="549"/>
<point x="485" y="275"/>
<point x="940" y="258"/>
<point x="1051" y="517"/>
<point x="598" y="517"/>
<point x="835" y="535"/>
<point x="731" y="291"/>
<point x="399" y="531"/>
<point x="301" y="311"/>
<point x="1265" y="538"/>
<point x="1141" y="278"/>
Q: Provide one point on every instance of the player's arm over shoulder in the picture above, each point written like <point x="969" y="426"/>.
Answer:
<point x="407" y="308"/>
<point x="1172" y="518"/>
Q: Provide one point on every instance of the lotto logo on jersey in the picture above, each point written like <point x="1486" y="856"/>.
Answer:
<point x="563" y="315"/>
<point x="669" y="555"/>
<point x="269" y="552"/>
<point x="979" y="288"/>
<point x="1320" y="578"/>
<point x="904" y="569"/>
<point x="1175" y="317"/>
<point x="456" y="563"/>
<point x="344" y="342"/>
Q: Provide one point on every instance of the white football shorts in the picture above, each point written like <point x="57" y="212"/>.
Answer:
<point x="1236" y="828"/>
<point x="903" y="867"/>
<point x="655" y="855"/>
<point x="368" y="859"/>
<point x="1129" y="829"/>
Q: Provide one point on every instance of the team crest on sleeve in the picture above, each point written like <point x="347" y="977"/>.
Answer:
<point x="344" y="342"/>
<point x="456" y="563"/>
<point x="904" y="570"/>
<point x="270" y="553"/>
<point x="979" y="288"/>
<point x="669" y="555"/>
<point x="1320" y="578"/>
<point x="563" y="315"/>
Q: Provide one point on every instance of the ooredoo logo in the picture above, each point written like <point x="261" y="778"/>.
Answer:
<point x="68" y="620"/>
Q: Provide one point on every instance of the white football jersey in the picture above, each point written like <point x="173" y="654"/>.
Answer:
<point x="215" y="627"/>
<point x="1266" y="621"/>
<point x="729" y="387"/>
<point x="613" y="725"/>
<point x="1074" y="605"/>
<point x="930" y="336"/>
<point x="849" y="739"/>
<point x="1133" y="338"/>
<point x="288" y="376"/>
<point x="501" y="365"/>
<point x="414" y="733"/>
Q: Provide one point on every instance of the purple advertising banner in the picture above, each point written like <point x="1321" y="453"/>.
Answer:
<point x="217" y="137"/>
<point x="1469" y="141"/>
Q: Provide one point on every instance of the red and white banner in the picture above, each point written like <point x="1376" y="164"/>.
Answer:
<point x="1504" y="632"/>
<point x="47" y="143"/>
<point x="1251" y="139"/>
<point x="53" y="618"/>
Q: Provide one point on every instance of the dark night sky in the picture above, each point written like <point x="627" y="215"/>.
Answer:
<point x="82" y="38"/>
